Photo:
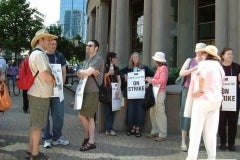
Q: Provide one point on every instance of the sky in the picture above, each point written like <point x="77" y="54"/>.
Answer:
<point x="50" y="8"/>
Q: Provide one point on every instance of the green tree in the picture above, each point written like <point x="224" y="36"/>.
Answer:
<point x="17" y="27"/>
<point x="73" y="52"/>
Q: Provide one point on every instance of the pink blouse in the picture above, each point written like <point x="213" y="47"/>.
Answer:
<point x="161" y="77"/>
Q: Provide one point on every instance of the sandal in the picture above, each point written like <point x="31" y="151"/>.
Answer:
<point x="88" y="146"/>
<point x="85" y="141"/>
<point x="138" y="133"/>
<point x="28" y="156"/>
<point x="133" y="131"/>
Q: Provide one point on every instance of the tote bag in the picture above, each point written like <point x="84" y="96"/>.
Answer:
<point x="5" y="99"/>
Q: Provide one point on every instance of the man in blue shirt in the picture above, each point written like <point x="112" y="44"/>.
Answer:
<point x="56" y="105"/>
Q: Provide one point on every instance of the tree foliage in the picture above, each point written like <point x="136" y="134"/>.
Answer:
<point x="73" y="50"/>
<point x="17" y="26"/>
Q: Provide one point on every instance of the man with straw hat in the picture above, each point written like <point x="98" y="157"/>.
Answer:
<point x="40" y="92"/>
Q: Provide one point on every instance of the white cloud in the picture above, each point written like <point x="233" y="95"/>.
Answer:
<point x="50" y="8"/>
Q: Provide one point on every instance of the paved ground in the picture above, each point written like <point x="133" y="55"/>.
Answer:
<point x="14" y="125"/>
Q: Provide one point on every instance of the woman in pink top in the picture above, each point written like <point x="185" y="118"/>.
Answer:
<point x="206" y="90"/>
<point x="157" y="112"/>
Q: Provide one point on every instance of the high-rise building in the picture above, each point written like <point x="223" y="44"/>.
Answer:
<point x="73" y="18"/>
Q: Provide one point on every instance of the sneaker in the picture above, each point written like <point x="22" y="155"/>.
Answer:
<point x="151" y="135"/>
<point x="107" y="133"/>
<point x="40" y="156"/>
<point x="184" y="147"/>
<point x="60" y="142"/>
<point x="47" y="144"/>
<point x="160" y="139"/>
<point x="113" y="133"/>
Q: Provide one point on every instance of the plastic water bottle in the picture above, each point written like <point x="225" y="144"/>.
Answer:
<point x="111" y="69"/>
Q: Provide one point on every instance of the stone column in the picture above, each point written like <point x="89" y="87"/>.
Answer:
<point x="238" y="47"/>
<point x="160" y="26"/>
<point x="103" y="28"/>
<point x="221" y="23"/>
<point x="113" y="26"/>
<point x="122" y="31"/>
<point x="147" y="32"/>
<point x="96" y="23"/>
<point x="232" y="26"/>
<point x="91" y="26"/>
<point x="185" y="31"/>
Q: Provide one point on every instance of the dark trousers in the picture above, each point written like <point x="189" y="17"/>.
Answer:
<point x="25" y="100"/>
<point x="227" y="128"/>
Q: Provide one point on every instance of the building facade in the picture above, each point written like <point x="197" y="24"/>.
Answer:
<point x="73" y="18"/>
<point x="171" y="26"/>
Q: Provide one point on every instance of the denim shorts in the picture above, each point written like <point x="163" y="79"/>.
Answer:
<point x="38" y="111"/>
<point x="89" y="104"/>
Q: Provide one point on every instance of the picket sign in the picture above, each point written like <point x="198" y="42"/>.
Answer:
<point x="229" y="93"/>
<point x="79" y="93"/>
<point x="58" y="86"/>
<point x="116" y="100"/>
<point x="136" y="85"/>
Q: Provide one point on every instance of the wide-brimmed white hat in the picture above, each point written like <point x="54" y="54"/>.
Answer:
<point x="159" y="56"/>
<point x="212" y="50"/>
<point x="41" y="34"/>
<point x="199" y="46"/>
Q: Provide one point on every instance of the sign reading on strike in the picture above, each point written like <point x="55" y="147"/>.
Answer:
<point x="136" y="85"/>
<point x="229" y="94"/>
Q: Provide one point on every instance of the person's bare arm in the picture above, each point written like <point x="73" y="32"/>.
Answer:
<point x="88" y="72"/>
<point x="46" y="76"/>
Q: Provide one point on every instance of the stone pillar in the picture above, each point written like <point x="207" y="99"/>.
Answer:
<point x="233" y="26"/>
<point x="238" y="47"/>
<point x="185" y="31"/>
<point x="97" y="23"/>
<point x="122" y="32"/>
<point x="113" y="26"/>
<point x="160" y="26"/>
<point x="221" y="23"/>
<point x="103" y="28"/>
<point x="147" y="32"/>
<point x="91" y="26"/>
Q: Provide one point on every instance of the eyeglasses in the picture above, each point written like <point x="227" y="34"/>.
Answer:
<point x="89" y="45"/>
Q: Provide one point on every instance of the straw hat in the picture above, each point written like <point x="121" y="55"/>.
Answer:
<point x="159" y="56"/>
<point x="41" y="34"/>
<point x="212" y="50"/>
<point x="199" y="46"/>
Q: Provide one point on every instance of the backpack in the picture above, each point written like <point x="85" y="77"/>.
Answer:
<point x="25" y="78"/>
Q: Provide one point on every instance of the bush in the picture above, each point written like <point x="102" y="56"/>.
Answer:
<point x="173" y="74"/>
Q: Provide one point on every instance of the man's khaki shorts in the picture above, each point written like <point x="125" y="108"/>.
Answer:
<point x="38" y="108"/>
<point x="89" y="104"/>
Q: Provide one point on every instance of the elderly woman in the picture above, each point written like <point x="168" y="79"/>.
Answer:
<point x="135" y="109"/>
<point x="157" y="113"/>
<point x="206" y="90"/>
<point x="189" y="66"/>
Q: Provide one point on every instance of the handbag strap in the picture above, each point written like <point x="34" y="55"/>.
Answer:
<point x="95" y="81"/>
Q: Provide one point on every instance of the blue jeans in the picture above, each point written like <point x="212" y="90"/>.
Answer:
<point x="57" y="112"/>
<point x="108" y="116"/>
<point x="135" y="112"/>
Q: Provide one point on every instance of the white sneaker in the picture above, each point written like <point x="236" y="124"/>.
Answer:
<point x="60" y="142"/>
<point x="113" y="133"/>
<point x="47" y="144"/>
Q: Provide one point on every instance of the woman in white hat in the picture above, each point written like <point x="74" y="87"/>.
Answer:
<point x="206" y="89"/>
<point x="189" y="66"/>
<point x="157" y="112"/>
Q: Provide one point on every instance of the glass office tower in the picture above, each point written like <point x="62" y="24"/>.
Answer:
<point x="73" y="18"/>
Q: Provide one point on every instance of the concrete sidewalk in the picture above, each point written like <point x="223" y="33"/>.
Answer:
<point x="14" y="125"/>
